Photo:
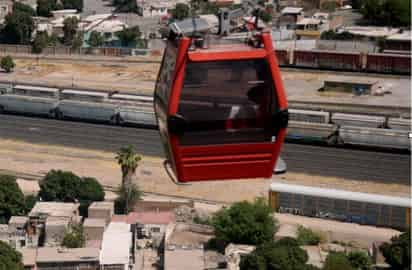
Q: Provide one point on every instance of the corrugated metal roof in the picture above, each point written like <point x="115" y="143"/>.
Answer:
<point x="341" y="194"/>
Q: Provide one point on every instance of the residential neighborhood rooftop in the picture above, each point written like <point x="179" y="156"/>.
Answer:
<point x="60" y="254"/>
<point x="55" y="209"/>
<point x="94" y="222"/>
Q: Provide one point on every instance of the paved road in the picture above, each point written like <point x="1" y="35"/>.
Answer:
<point x="313" y="160"/>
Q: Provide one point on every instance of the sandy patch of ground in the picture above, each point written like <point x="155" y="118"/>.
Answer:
<point x="151" y="177"/>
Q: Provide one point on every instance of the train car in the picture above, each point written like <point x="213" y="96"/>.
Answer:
<point x="134" y="109"/>
<point x="87" y="105"/>
<point x="32" y="100"/>
<point x="375" y="137"/>
<point x="5" y="88"/>
<point x="347" y="206"/>
<point x="368" y="121"/>
<point x="399" y="123"/>
<point x="311" y="132"/>
<point x="309" y="116"/>
<point x="388" y="63"/>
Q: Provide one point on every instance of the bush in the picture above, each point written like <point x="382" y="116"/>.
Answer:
<point x="245" y="223"/>
<point x="128" y="196"/>
<point x="10" y="259"/>
<point x="64" y="186"/>
<point x="7" y="64"/>
<point x="337" y="261"/>
<point x="308" y="237"/>
<point x="360" y="260"/>
<point x="74" y="237"/>
<point x="284" y="254"/>
<point x="29" y="202"/>
<point x="11" y="198"/>
<point x="40" y="42"/>
<point x="398" y="252"/>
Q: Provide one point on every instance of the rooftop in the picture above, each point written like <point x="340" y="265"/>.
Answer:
<point x="101" y="205"/>
<point x="306" y="21"/>
<point x="19" y="220"/>
<point x="371" y="31"/>
<point x="151" y="217"/>
<point x="94" y="222"/>
<point x="404" y="36"/>
<point x="55" y="209"/>
<point x="291" y="10"/>
<point x="188" y="259"/>
<point x="57" y="221"/>
<point x="59" y="254"/>
<point x="116" y="235"/>
<point x="29" y="256"/>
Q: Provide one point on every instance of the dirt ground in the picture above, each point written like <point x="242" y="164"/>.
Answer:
<point x="37" y="159"/>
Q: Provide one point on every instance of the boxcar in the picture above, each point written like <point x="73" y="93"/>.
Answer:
<point x="27" y="105"/>
<point x="345" y="119"/>
<point x="309" y="116"/>
<point x="356" y="207"/>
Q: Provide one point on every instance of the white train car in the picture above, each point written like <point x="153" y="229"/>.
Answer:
<point x="35" y="100"/>
<point x="375" y="137"/>
<point x="368" y="121"/>
<point x="311" y="131"/>
<point x="86" y="105"/>
<point x="134" y="109"/>
<point x="399" y="123"/>
<point x="309" y="116"/>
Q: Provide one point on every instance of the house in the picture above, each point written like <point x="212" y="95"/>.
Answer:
<point x="156" y="8"/>
<point x="117" y="247"/>
<point x="58" y="19"/>
<point x="308" y="28"/>
<point x="17" y="231"/>
<point x="56" y="258"/>
<point x="55" y="229"/>
<point x="233" y="254"/>
<point x="6" y="7"/>
<point x="94" y="228"/>
<point x="41" y="212"/>
<point x="102" y="210"/>
<point x="184" y="246"/>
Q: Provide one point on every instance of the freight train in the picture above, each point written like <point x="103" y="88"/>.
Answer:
<point x="127" y="109"/>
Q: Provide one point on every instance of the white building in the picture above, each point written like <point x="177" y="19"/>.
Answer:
<point x="116" y="247"/>
<point x="156" y="8"/>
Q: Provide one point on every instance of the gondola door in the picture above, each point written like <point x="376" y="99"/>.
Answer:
<point x="226" y="113"/>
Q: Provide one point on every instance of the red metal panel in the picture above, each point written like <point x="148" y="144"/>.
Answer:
<point x="282" y="56"/>
<point x="199" y="56"/>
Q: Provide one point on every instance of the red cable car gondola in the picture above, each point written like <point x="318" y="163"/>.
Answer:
<point x="221" y="110"/>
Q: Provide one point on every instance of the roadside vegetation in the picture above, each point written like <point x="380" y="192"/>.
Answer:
<point x="63" y="186"/>
<point x="7" y="64"/>
<point x="10" y="259"/>
<point x="74" y="237"/>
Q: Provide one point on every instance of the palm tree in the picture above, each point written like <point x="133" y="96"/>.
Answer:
<point x="128" y="160"/>
<point x="128" y="196"/>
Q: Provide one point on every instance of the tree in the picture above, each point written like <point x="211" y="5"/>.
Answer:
<point x="204" y="7"/>
<point x="181" y="11"/>
<point x="40" y="42"/>
<point x="129" y="36"/>
<point x="90" y="191"/>
<point x="73" y="4"/>
<point x="306" y="236"/>
<point x="284" y="254"/>
<point x="64" y="186"/>
<point x="128" y="196"/>
<point x="45" y="7"/>
<point x="29" y="202"/>
<point x="20" y="7"/>
<point x="77" y="41"/>
<point x="10" y="259"/>
<point x="69" y="30"/>
<point x="397" y="253"/>
<point x="337" y="261"/>
<point x="11" y="198"/>
<point x="7" y="63"/>
<point x="96" y="39"/>
<point x="18" y="28"/>
<point x="387" y="12"/>
<point x="74" y="237"/>
<point x="245" y="223"/>
<point x="128" y="160"/>
<point x="60" y="186"/>
<point x="125" y="5"/>
<point x="360" y="260"/>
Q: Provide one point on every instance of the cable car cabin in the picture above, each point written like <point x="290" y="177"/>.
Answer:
<point x="221" y="111"/>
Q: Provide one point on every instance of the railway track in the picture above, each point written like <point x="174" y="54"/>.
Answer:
<point x="313" y="160"/>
